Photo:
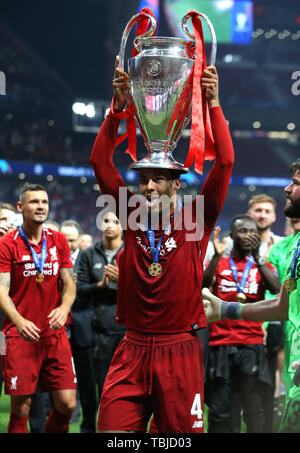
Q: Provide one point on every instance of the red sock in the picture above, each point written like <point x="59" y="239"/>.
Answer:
<point x="57" y="422"/>
<point x="17" y="424"/>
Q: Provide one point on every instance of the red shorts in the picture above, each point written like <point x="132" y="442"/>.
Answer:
<point x="160" y="375"/>
<point x="47" y="362"/>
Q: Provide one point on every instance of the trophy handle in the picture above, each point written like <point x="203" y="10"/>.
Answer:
<point x="184" y="27"/>
<point x="130" y="24"/>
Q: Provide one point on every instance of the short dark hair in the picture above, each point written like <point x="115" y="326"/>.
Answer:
<point x="51" y="222"/>
<point x="172" y="174"/>
<point x="70" y="223"/>
<point x="175" y="174"/>
<point x="295" y="167"/>
<point x="7" y="206"/>
<point x="240" y="217"/>
<point x="28" y="187"/>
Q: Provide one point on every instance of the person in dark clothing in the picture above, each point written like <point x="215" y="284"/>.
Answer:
<point x="237" y="361"/>
<point x="97" y="280"/>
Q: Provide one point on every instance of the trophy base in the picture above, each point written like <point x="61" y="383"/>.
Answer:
<point x="159" y="159"/>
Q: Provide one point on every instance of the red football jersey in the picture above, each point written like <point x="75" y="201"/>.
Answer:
<point x="172" y="301"/>
<point x="33" y="300"/>
<point x="237" y="331"/>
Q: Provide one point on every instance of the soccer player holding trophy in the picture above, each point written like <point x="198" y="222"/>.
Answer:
<point x="158" y="367"/>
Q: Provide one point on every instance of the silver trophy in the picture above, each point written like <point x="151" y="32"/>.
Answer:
<point x="159" y="78"/>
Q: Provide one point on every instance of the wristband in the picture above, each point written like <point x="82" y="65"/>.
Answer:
<point x="231" y="310"/>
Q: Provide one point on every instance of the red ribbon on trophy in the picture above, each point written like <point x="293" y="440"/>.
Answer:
<point x="201" y="132"/>
<point x="129" y="112"/>
<point x="201" y="141"/>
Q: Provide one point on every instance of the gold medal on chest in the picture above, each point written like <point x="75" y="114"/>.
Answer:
<point x="241" y="298"/>
<point x="290" y="284"/>
<point x="155" y="269"/>
<point x="40" y="278"/>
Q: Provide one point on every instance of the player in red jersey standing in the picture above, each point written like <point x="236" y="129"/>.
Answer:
<point x="236" y="360"/>
<point x="32" y="259"/>
<point x="158" y="367"/>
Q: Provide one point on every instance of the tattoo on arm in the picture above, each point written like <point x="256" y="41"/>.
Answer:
<point x="5" y="279"/>
<point x="66" y="271"/>
<point x="11" y="303"/>
<point x="5" y="284"/>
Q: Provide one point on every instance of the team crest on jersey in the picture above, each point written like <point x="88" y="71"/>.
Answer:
<point x="13" y="383"/>
<point x="53" y="253"/>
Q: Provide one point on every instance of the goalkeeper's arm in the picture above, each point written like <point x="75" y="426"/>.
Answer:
<point x="265" y="310"/>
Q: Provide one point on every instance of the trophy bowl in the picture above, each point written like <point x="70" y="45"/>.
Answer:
<point x="160" y="91"/>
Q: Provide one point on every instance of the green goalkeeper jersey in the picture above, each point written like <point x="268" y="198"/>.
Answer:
<point x="277" y="256"/>
<point x="294" y="301"/>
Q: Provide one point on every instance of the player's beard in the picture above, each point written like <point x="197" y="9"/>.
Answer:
<point x="293" y="209"/>
<point x="263" y="228"/>
<point x="39" y="221"/>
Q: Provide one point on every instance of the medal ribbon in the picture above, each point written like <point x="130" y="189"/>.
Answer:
<point x="151" y="235"/>
<point x="241" y="285"/>
<point x="39" y="264"/>
<point x="154" y="250"/>
<point x="295" y="259"/>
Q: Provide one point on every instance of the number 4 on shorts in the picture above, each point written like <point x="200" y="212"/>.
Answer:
<point x="196" y="407"/>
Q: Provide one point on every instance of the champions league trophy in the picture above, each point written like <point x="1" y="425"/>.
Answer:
<point x="160" y="89"/>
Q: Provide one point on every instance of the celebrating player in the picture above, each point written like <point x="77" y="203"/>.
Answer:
<point x="285" y="306"/>
<point x="158" y="367"/>
<point x="32" y="259"/>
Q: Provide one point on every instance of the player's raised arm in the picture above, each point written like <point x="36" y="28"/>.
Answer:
<point x="108" y="177"/>
<point x="216" y="184"/>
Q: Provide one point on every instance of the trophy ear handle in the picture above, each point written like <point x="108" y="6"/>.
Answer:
<point x="127" y="30"/>
<point x="184" y="27"/>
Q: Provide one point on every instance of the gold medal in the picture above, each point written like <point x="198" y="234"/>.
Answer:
<point x="241" y="298"/>
<point x="155" y="269"/>
<point x="290" y="284"/>
<point x="40" y="278"/>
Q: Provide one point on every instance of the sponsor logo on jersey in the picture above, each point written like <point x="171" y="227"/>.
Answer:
<point x="48" y="269"/>
<point x="170" y="244"/>
<point x="251" y="287"/>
